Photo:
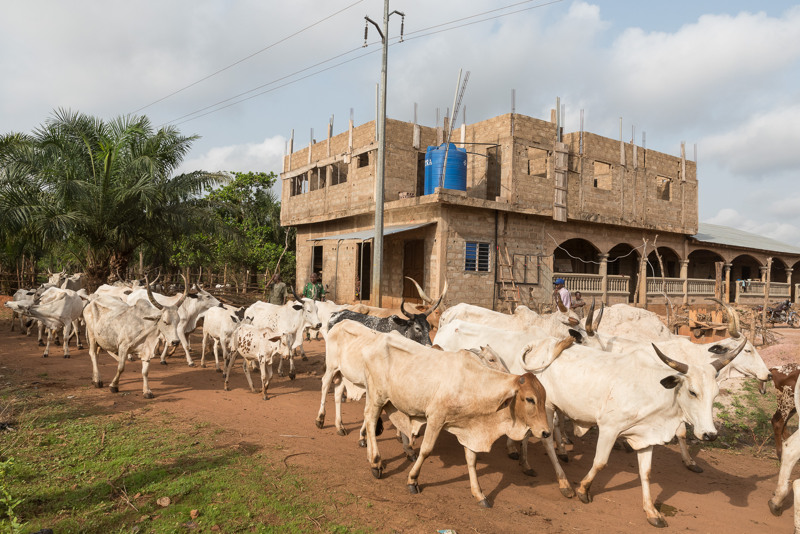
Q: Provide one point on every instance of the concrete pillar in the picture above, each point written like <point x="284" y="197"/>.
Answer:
<point x="789" y="272"/>
<point x="643" y="285"/>
<point x="685" y="278"/>
<point x="726" y="269"/>
<point x="603" y="271"/>
<point x="763" y="270"/>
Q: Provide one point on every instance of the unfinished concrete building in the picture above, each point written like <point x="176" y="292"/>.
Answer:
<point x="534" y="203"/>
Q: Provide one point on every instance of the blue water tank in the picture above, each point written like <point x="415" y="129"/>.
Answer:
<point x="455" y="173"/>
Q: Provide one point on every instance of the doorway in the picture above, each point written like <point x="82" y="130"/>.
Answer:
<point x="364" y="271"/>
<point x="413" y="267"/>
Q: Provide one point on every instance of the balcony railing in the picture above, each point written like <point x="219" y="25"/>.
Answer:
<point x="753" y="289"/>
<point x="670" y="286"/>
<point x="592" y="284"/>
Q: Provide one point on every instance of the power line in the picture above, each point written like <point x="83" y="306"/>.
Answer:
<point x="188" y="117"/>
<point x="298" y="32"/>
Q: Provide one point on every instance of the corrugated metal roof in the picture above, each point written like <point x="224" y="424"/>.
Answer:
<point x="365" y="235"/>
<point x="725" y="235"/>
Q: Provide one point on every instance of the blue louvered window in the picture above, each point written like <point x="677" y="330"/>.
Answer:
<point x="476" y="257"/>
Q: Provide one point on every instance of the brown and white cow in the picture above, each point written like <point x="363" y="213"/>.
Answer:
<point x="255" y="344"/>
<point x="441" y="389"/>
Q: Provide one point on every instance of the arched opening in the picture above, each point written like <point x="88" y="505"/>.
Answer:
<point x="670" y="260"/>
<point x="576" y="256"/>
<point x="795" y="280"/>
<point x="623" y="260"/>
<point x="702" y="264"/>
<point x="745" y="268"/>
<point x="778" y="271"/>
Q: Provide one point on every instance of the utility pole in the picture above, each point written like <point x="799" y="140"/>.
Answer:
<point x="377" y="252"/>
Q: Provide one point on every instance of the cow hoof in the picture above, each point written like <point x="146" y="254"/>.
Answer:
<point x="218" y="370"/>
<point x="529" y="472"/>
<point x="319" y="422"/>
<point x="776" y="510"/>
<point x="304" y="358"/>
<point x="412" y="457"/>
<point x="265" y="397"/>
<point x="694" y="468"/>
<point x="567" y="492"/>
<point x="149" y="395"/>
<point x="413" y="489"/>
<point x="163" y="362"/>
<point x="98" y="384"/>
<point x="657" y="522"/>
<point x="585" y="498"/>
<point x="485" y="503"/>
<point x="377" y="472"/>
<point x="362" y="443"/>
<point x="343" y="432"/>
<point x="563" y="457"/>
<point x="41" y="344"/>
<point x="66" y="356"/>
<point x="379" y="427"/>
<point x="44" y="355"/>
<point x="113" y="389"/>
<point x="280" y="374"/>
<point x="292" y="376"/>
<point x="80" y="347"/>
<point x="191" y="364"/>
<point x="513" y="455"/>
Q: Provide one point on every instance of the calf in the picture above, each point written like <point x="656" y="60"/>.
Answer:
<point x="254" y="344"/>
<point x="439" y="387"/>
<point x="785" y="380"/>
<point x="21" y="295"/>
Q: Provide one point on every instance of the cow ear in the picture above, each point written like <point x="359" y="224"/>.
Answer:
<point x="671" y="381"/>
<point x="297" y="307"/>
<point x="717" y="349"/>
<point x="577" y="335"/>
<point x="508" y="397"/>
<point x="398" y="320"/>
<point x="437" y="347"/>
<point x="154" y="317"/>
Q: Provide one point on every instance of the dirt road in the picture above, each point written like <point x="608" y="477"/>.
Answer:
<point x="729" y="497"/>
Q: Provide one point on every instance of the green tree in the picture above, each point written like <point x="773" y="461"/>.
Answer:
<point x="106" y="187"/>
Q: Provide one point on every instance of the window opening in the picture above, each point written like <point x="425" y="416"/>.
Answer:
<point x="476" y="257"/>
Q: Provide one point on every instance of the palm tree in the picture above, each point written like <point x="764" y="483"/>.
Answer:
<point x="106" y="185"/>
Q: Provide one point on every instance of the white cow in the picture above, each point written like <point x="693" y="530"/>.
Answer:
<point x="219" y="324"/>
<point x="122" y="329"/>
<point x="56" y="309"/>
<point x="325" y="308"/>
<point x="21" y="295"/>
<point x="789" y="458"/>
<point x="193" y="308"/>
<point x="76" y="282"/>
<point x="258" y="345"/>
<point x="290" y="319"/>
<point x="439" y="388"/>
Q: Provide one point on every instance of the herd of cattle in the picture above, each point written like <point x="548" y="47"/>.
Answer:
<point x="485" y="374"/>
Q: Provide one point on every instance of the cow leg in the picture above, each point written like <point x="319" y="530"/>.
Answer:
<point x="113" y="387"/>
<point x="688" y="461"/>
<point x="163" y="352"/>
<point x="428" y="441"/>
<point x="185" y="345"/>
<point x="474" y="486"/>
<point x="338" y="391"/>
<point x="203" y="352"/>
<point x="302" y="352"/>
<point x="246" y="367"/>
<point x="512" y="448"/>
<point x="408" y="448"/>
<point x="146" y="393"/>
<point x="779" y="421"/>
<point x="47" y="347"/>
<point x="654" y="517"/>
<point x="563" y="483"/>
<point x="228" y="369"/>
<point x="791" y="455"/>
<point x="219" y="345"/>
<point x="77" y="328"/>
<point x="560" y="436"/>
<point x="372" y="412"/>
<point x="67" y="335"/>
<point x="266" y="377"/>
<point x="41" y="332"/>
<point x="523" y="458"/>
<point x="327" y="378"/>
<point x="93" y="356"/>
<point x="605" y="442"/>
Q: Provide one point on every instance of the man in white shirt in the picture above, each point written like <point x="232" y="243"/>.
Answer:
<point x="562" y="292"/>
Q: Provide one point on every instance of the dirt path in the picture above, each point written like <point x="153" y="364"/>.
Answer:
<point x="729" y="497"/>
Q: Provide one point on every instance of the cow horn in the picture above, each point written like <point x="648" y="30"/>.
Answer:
<point x="733" y="318"/>
<point x="562" y="345"/>
<point x="297" y="298"/>
<point x="185" y="291"/>
<point x="157" y="277"/>
<point x="678" y="366"/>
<point x="727" y="357"/>
<point x="560" y="303"/>
<point x="422" y="293"/>
<point x="403" y="310"/>
<point x="152" y="300"/>
<point x="589" y="318"/>
<point x="599" y="317"/>
<point x="439" y="301"/>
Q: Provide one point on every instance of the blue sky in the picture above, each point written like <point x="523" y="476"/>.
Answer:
<point x="719" y="75"/>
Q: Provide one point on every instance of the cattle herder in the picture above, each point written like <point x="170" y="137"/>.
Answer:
<point x="279" y="293"/>
<point x="562" y="292"/>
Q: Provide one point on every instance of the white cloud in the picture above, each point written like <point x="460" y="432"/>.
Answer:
<point x="266" y="156"/>
<point x="780" y="231"/>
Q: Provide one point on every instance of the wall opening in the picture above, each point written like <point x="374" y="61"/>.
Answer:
<point x="663" y="188"/>
<point x="493" y="173"/>
<point x="364" y="272"/>
<point x="362" y="160"/>
<point x="316" y="259"/>
<point x="603" y="178"/>
<point x="420" y="188"/>
<point x="537" y="162"/>
<point x="339" y="173"/>
<point x="413" y="266"/>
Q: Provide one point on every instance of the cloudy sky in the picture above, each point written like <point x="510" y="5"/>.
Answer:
<point x="721" y="75"/>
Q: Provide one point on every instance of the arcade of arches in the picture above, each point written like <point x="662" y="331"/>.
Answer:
<point x="617" y="274"/>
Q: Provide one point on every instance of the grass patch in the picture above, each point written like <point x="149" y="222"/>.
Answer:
<point x="77" y="469"/>
<point x="746" y="421"/>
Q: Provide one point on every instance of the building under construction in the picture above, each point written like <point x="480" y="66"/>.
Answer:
<point x="528" y="202"/>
